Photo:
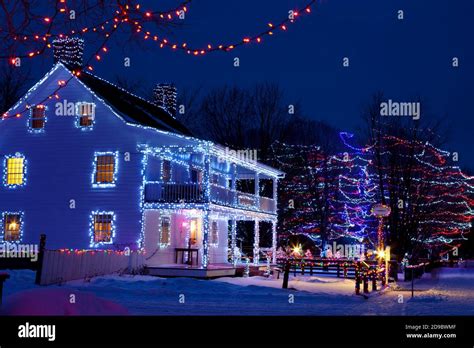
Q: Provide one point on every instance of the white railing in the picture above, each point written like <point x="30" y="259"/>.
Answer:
<point x="246" y="200"/>
<point x="173" y="192"/>
<point x="221" y="195"/>
<point x="158" y="192"/>
<point x="267" y="204"/>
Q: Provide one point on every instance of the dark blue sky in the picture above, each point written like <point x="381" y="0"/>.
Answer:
<point x="404" y="59"/>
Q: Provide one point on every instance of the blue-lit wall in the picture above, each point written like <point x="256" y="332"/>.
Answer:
<point x="60" y="167"/>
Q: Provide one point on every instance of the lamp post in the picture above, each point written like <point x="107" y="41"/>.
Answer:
<point x="381" y="211"/>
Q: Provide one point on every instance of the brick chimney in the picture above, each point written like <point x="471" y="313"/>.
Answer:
<point x="69" y="51"/>
<point x="165" y="95"/>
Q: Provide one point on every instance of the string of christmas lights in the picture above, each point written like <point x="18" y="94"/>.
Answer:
<point x="431" y="201"/>
<point x="257" y="38"/>
<point x="123" y="13"/>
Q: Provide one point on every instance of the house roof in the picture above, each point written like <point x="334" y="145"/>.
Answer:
<point x="133" y="108"/>
<point x="139" y="111"/>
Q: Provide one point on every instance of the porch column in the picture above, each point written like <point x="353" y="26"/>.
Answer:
<point x="275" y="188"/>
<point x="206" y="178"/>
<point x="234" y="184"/>
<point x="233" y="241"/>
<point x="257" y="190"/>
<point x="256" y="242"/>
<point x="274" y="242"/>
<point x="205" y="239"/>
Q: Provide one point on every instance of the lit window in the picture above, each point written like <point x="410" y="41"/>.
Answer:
<point x="104" y="169"/>
<point x="165" y="233"/>
<point x="103" y="228"/>
<point x="166" y="171"/>
<point x="214" y="233"/>
<point x="11" y="227"/>
<point x="38" y="117"/>
<point x="86" y="113"/>
<point x="15" y="171"/>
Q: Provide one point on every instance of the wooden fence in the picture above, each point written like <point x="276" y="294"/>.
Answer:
<point x="60" y="266"/>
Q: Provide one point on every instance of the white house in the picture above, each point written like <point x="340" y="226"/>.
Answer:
<point x="96" y="167"/>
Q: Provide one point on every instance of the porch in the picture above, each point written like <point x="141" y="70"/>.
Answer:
<point x="204" y="242"/>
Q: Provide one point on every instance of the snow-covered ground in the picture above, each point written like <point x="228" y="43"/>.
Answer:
<point x="447" y="291"/>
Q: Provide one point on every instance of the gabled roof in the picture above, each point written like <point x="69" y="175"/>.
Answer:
<point x="132" y="108"/>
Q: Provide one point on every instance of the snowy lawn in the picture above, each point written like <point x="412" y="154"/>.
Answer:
<point x="448" y="291"/>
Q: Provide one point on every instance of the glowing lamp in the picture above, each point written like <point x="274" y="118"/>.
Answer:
<point x="297" y="250"/>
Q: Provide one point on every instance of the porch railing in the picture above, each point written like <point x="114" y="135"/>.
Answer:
<point x="158" y="192"/>
<point x="173" y="192"/>
<point x="246" y="200"/>
<point x="221" y="195"/>
<point x="267" y="204"/>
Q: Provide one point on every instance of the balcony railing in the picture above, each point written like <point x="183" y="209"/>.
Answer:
<point x="157" y="192"/>
<point x="221" y="195"/>
<point x="173" y="193"/>
<point x="267" y="204"/>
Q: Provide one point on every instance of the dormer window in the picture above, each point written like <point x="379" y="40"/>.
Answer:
<point x="38" y="118"/>
<point x="86" y="114"/>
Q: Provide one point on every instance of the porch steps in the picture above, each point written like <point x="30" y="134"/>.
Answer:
<point x="213" y="271"/>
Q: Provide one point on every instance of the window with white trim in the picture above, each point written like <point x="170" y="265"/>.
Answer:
<point x="15" y="171"/>
<point x="105" y="169"/>
<point x="165" y="231"/>
<point x="214" y="237"/>
<point x="38" y="117"/>
<point x="11" y="227"/>
<point x="103" y="228"/>
<point x="86" y="114"/>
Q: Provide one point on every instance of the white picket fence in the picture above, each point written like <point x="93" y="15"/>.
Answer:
<point x="61" y="266"/>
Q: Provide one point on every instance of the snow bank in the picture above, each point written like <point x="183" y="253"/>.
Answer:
<point x="54" y="301"/>
<point x="447" y="291"/>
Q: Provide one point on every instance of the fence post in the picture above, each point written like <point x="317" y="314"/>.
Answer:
<point x="3" y="277"/>
<point x="357" y="279"/>
<point x="39" y="267"/>
<point x="338" y="269"/>
<point x="366" y="283"/>
<point x="286" y="275"/>
<point x="412" y="283"/>
<point x="374" y="280"/>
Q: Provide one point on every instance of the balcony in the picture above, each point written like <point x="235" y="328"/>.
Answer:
<point x="173" y="193"/>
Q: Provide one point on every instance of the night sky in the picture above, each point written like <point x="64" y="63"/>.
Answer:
<point x="404" y="59"/>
